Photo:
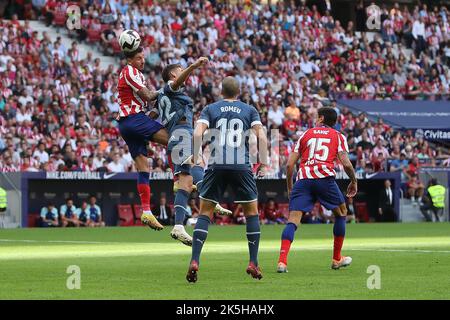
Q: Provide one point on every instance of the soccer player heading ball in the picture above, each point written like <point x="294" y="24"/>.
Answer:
<point x="317" y="148"/>
<point x="136" y="128"/>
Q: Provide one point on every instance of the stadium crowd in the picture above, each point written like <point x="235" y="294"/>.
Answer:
<point x="57" y="111"/>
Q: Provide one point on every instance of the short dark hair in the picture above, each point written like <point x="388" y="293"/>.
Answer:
<point x="230" y="87"/>
<point x="131" y="54"/>
<point x="329" y="116"/>
<point x="168" y="69"/>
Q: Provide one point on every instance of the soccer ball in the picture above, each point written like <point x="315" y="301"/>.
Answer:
<point x="129" y="40"/>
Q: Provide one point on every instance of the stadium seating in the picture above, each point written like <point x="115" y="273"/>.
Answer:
<point x="93" y="36"/>
<point x="59" y="19"/>
<point x="126" y="215"/>
<point x="33" y="220"/>
<point x="287" y="83"/>
<point x="362" y="212"/>
<point x="116" y="47"/>
<point x="137" y="214"/>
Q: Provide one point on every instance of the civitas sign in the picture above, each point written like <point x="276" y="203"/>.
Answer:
<point x="432" y="134"/>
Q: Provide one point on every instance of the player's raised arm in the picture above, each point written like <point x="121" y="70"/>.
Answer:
<point x="263" y="153"/>
<point x="290" y="168"/>
<point x="348" y="167"/>
<point x="179" y="81"/>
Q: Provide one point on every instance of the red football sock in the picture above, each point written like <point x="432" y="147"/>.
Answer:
<point x="284" y="251"/>
<point x="338" y="242"/>
<point x="144" y="194"/>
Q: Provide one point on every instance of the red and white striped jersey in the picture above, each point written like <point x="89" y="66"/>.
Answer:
<point x="318" y="148"/>
<point x="131" y="80"/>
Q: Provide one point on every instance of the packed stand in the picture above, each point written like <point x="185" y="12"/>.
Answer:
<point x="58" y="112"/>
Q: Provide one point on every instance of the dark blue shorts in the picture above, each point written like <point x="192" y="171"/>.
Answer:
<point x="306" y="192"/>
<point x="180" y="148"/>
<point x="137" y="130"/>
<point x="242" y="183"/>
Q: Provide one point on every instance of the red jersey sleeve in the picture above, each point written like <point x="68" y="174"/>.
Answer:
<point x="342" y="143"/>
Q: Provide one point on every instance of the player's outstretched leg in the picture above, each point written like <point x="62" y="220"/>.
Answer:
<point x="181" y="201"/>
<point x="339" y="261"/>
<point x="197" y="173"/>
<point x="253" y="236"/>
<point x="200" y="235"/>
<point x="143" y="188"/>
<point x="287" y="237"/>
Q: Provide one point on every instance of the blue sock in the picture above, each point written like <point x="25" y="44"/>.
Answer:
<point x="339" y="227"/>
<point x="253" y="235"/>
<point x="197" y="173"/>
<point x="199" y="236"/>
<point x="180" y="205"/>
<point x="339" y="235"/>
<point x="288" y="232"/>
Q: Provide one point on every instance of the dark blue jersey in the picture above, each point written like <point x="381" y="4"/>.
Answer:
<point x="174" y="106"/>
<point x="83" y="216"/>
<point x="229" y="124"/>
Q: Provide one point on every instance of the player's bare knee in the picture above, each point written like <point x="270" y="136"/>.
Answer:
<point x="185" y="182"/>
<point x="250" y="209"/>
<point x="142" y="163"/>
<point x="161" y="137"/>
<point x="340" y="211"/>
<point x="295" y="217"/>
<point x="343" y="210"/>
<point x="207" y="208"/>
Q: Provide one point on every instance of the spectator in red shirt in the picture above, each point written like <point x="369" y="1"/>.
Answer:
<point x="413" y="168"/>
<point x="415" y="189"/>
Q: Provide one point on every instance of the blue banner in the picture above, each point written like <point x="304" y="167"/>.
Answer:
<point x="433" y="134"/>
<point x="432" y="117"/>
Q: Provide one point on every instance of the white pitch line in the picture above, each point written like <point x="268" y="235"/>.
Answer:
<point x="306" y="248"/>
<point x="70" y="241"/>
<point x="402" y="250"/>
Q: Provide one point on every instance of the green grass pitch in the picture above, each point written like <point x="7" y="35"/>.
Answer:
<point x="138" y="263"/>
